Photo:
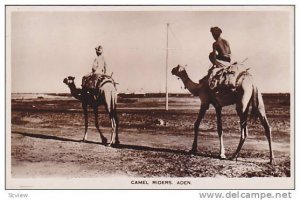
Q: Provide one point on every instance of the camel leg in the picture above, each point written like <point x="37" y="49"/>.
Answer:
<point x="263" y="118"/>
<point x="103" y="139"/>
<point x="114" y="128"/>
<point x="268" y="134"/>
<point x="242" y="109"/>
<point x="220" y="132"/>
<point x="116" y="118"/>
<point x="110" y="107"/>
<point x="85" y="112"/>
<point x="244" y="134"/>
<point x="113" y="132"/>
<point x="196" y="128"/>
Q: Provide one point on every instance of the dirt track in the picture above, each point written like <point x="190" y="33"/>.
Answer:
<point x="48" y="143"/>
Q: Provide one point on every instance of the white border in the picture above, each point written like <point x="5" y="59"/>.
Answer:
<point x="42" y="194"/>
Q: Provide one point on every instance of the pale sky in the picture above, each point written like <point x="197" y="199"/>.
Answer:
<point x="48" y="45"/>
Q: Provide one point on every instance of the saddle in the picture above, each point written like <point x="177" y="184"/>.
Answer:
<point x="226" y="77"/>
<point x="92" y="82"/>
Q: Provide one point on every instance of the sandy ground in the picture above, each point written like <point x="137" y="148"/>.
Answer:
<point x="46" y="142"/>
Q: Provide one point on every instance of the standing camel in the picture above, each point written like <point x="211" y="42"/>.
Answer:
<point x="107" y="96"/>
<point x="244" y="94"/>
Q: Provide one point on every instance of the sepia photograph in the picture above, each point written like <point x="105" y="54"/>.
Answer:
<point x="150" y="97"/>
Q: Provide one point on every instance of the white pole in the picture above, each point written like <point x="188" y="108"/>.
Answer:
<point x="167" y="55"/>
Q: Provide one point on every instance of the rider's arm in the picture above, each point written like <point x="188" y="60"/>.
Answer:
<point x="95" y="65"/>
<point x="214" y="53"/>
<point x="104" y="67"/>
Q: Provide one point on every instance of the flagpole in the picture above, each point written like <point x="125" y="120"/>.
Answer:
<point x="167" y="55"/>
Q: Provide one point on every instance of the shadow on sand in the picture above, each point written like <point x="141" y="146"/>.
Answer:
<point x="51" y="137"/>
<point x="119" y="146"/>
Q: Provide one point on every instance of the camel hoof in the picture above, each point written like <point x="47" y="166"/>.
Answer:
<point x="104" y="141"/>
<point x="222" y="157"/>
<point x="193" y="152"/>
<point x="233" y="158"/>
<point x="272" y="162"/>
<point x="112" y="144"/>
<point x="83" y="140"/>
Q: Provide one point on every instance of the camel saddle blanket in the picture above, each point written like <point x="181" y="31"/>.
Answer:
<point x="93" y="81"/>
<point x="226" y="77"/>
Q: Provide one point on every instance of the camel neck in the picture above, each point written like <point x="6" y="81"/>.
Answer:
<point x="190" y="85"/>
<point x="75" y="92"/>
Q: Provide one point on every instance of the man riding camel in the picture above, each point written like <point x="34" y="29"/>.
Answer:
<point x="99" y="64"/>
<point x="221" y="49"/>
<point x="98" y="72"/>
<point x="223" y="72"/>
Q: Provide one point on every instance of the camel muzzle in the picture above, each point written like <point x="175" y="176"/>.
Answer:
<point x="66" y="81"/>
<point x="173" y="71"/>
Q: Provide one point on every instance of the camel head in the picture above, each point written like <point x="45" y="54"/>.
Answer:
<point x="179" y="71"/>
<point x="69" y="80"/>
<point x="75" y="92"/>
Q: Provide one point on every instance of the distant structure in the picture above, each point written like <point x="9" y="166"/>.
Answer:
<point x="140" y="92"/>
<point x="167" y="57"/>
<point x="127" y="91"/>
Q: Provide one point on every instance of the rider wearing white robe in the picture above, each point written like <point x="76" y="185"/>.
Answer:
<point x="99" y="64"/>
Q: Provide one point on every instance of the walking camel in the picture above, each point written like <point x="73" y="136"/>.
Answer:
<point x="245" y="93"/>
<point x="107" y="96"/>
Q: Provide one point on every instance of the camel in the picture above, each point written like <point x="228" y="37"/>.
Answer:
<point x="107" y="96"/>
<point x="245" y="93"/>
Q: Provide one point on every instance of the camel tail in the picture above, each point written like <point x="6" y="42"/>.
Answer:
<point x="255" y="104"/>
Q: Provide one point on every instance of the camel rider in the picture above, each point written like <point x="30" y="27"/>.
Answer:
<point x="221" y="49"/>
<point x="98" y="71"/>
<point x="99" y="64"/>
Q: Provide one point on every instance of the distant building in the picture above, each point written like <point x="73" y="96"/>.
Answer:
<point x="140" y="92"/>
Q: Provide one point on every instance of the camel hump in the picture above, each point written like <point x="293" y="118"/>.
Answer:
<point x="226" y="77"/>
<point x="94" y="80"/>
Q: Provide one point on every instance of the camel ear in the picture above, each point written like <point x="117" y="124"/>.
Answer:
<point x="71" y="77"/>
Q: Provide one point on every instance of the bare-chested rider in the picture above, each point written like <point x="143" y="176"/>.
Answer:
<point x="221" y="49"/>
